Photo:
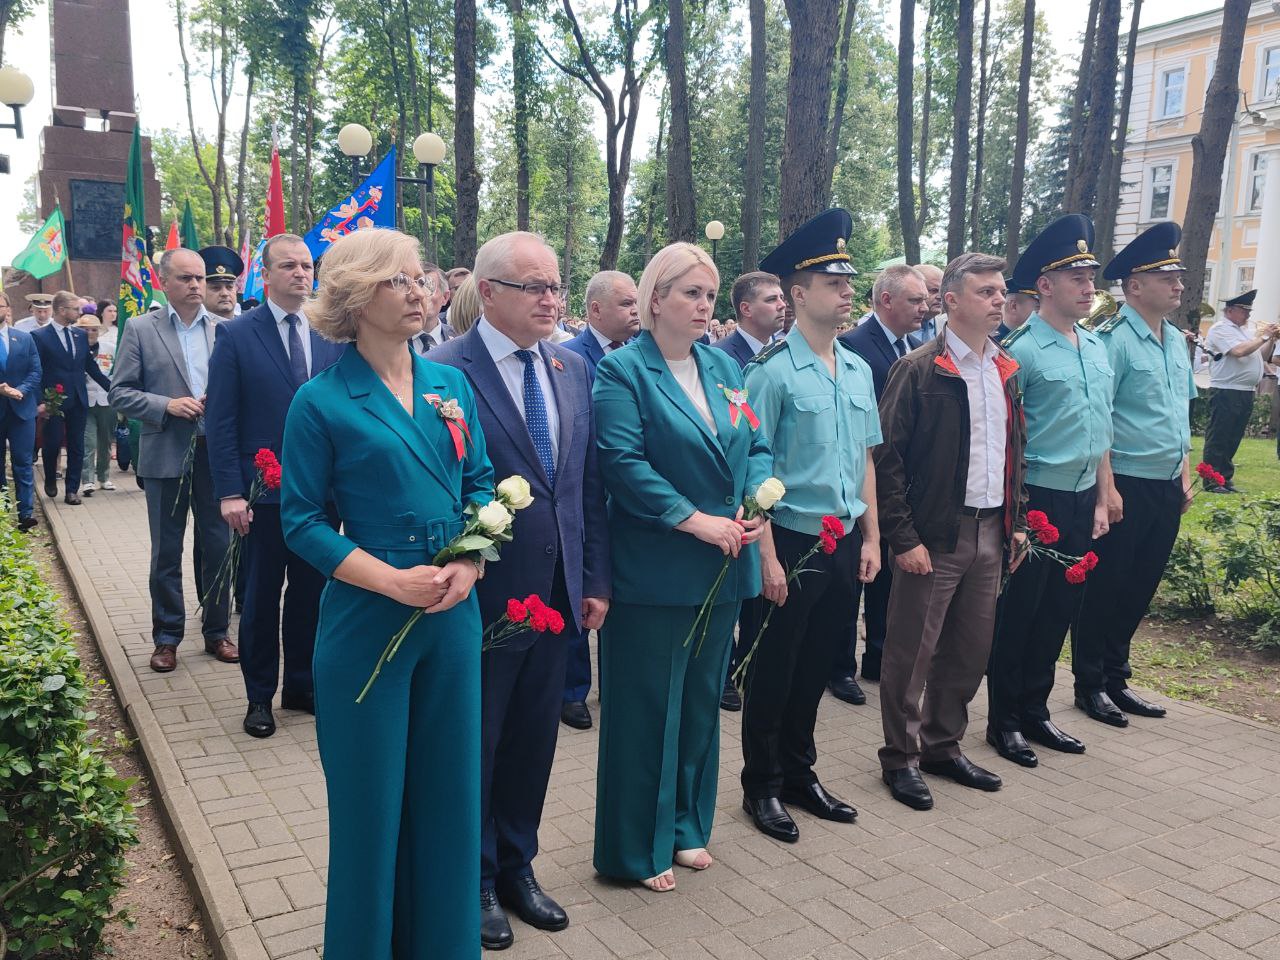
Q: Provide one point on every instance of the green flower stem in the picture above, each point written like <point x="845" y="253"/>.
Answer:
<point x="703" y="618"/>
<point x="740" y="675"/>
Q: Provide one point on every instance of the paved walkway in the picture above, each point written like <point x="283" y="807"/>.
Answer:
<point x="1162" y="841"/>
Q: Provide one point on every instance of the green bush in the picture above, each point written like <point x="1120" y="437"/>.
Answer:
<point x="1186" y="586"/>
<point x="1259" y="421"/>
<point x="65" y="817"/>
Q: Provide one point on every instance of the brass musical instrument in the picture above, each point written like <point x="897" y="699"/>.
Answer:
<point x="1104" y="308"/>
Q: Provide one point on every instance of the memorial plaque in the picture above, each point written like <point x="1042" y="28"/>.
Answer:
<point x="97" y="219"/>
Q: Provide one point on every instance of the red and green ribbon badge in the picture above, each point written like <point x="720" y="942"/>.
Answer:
<point x="453" y="420"/>
<point x="738" y="407"/>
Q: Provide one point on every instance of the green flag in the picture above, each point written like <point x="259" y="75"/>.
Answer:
<point x="136" y="292"/>
<point x="190" y="239"/>
<point x="47" y="251"/>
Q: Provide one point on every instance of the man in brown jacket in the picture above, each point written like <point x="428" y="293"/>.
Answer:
<point x="952" y="503"/>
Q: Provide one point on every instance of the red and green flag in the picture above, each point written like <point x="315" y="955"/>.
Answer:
<point x="47" y="251"/>
<point x="136" y="275"/>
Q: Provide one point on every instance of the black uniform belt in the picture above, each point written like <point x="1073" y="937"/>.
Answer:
<point x="981" y="513"/>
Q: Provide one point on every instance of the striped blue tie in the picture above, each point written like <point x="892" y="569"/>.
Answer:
<point x="535" y="415"/>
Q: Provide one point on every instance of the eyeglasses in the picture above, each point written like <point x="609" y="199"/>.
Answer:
<point x="536" y="289"/>
<point x="402" y="281"/>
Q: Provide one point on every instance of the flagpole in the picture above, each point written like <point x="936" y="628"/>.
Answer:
<point x="66" y="261"/>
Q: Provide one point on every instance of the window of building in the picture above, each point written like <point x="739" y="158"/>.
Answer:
<point x="1257" y="180"/>
<point x="1244" y="279"/>
<point x="1160" y="191"/>
<point x="1270" y="73"/>
<point x="1173" y="92"/>
<point x="1208" y="280"/>
<point x="1210" y="65"/>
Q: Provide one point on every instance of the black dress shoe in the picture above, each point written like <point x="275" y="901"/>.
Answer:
<point x="1126" y="699"/>
<point x="525" y="897"/>
<point x="1101" y="708"/>
<point x="729" y="699"/>
<point x="26" y="523"/>
<point x="771" y="818"/>
<point x="575" y="714"/>
<point x="1012" y="746"/>
<point x="847" y="689"/>
<point x="306" y="702"/>
<point x="815" y="799"/>
<point x="907" y="786"/>
<point x="50" y="489"/>
<point x="964" y="772"/>
<point x="72" y="499"/>
<point x="1046" y="734"/>
<point x="495" y="930"/>
<point x="259" y="722"/>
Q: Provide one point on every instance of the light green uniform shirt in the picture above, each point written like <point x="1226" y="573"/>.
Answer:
<point x="1066" y="396"/>
<point x="1153" y="390"/>
<point x="818" y="428"/>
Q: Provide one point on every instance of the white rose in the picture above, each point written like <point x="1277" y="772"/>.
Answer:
<point x="493" y="517"/>
<point x="769" y="493"/>
<point x="514" y="491"/>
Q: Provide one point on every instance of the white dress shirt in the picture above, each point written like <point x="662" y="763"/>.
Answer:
<point x="988" y="420"/>
<point x="894" y="338"/>
<point x="605" y="343"/>
<point x="282" y="326"/>
<point x="435" y="335"/>
<point x="503" y="351"/>
<point x="755" y="345"/>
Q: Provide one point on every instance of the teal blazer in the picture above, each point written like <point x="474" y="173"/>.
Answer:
<point x="661" y="463"/>
<point x="397" y="482"/>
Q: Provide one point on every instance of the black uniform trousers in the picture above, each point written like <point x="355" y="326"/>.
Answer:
<point x="1229" y="415"/>
<point x="1035" y="612"/>
<point x="267" y="561"/>
<point x="875" y="615"/>
<point x="522" y="691"/>
<point x="789" y="672"/>
<point x="1131" y="561"/>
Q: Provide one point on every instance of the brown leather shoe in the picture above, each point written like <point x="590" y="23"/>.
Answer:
<point x="165" y="659"/>
<point x="223" y="650"/>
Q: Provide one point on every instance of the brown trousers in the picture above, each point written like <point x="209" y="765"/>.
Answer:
<point x="937" y="644"/>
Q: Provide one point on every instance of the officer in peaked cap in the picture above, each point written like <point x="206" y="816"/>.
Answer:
<point x="1245" y="300"/>
<point x="816" y="404"/>
<point x="1066" y="384"/>
<point x="1020" y="301"/>
<point x="1147" y="484"/>
<point x="41" y="310"/>
<point x="1063" y="245"/>
<point x="222" y="267"/>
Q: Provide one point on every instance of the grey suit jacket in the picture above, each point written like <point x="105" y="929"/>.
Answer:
<point x="148" y="373"/>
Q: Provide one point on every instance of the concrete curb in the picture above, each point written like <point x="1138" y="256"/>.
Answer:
<point x="231" y="932"/>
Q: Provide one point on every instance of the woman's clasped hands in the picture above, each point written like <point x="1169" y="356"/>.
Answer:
<point x="434" y="589"/>
<point x="730" y="536"/>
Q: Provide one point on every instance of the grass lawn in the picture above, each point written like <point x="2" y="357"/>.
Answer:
<point x="1257" y="474"/>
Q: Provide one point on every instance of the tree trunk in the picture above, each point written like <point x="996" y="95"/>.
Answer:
<point x="411" y="58"/>
<point x="1081" y="96"/>
<point x="753" y="175"/>
<point x="842" y="94"/>
<point x="209" y="180"/>
<point x="960" y="129"/>
<point x="1083" y="192"/>
<point x="566" y="275"/>
<point x="522" y="91"/>
<point x="402" y="111"/>
<point x="804" y="143"/>
<point x="295" y="116"/>
<point x="1209" y="151"/>
<point x="681" y="215"/>
<point x="906" y="131"/>
<point x="1109" y="182"/>
<point x="984" y="93"/>
<point x="1013" y="229"/>
<point x="926" y="111"/>
<point x="242" y="162"/>
<point x="464" y="133"/>
<point x="651" y="206"/>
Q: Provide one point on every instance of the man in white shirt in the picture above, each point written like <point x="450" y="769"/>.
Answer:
<point x="613" y="318"/>
<point x="41" y="310"/>
<point x="1236" y="354"/>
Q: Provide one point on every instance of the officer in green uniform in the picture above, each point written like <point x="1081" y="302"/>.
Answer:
<point x="817" y="407"/>
<point x="1066" y="383"/>
<point x="1147" y="485"/>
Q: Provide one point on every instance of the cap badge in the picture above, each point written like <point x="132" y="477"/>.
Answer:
<point x="221" y="269"/>
<point x="839" y="244"/>
<point x="1172" y="253"/>
<point x="1082" y="246"/>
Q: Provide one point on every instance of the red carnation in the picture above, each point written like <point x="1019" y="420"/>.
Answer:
<point x="1037" y="520"/>
<point x="271" y="477"/>
<point x="539" y="621"/>
<point x="1048" y="534"/>
<point x="1204" y="470"/>
<point x="555" y="621"/>
<point x="516" y="611"/>
<point x="1089" y="560"/>
<point x="1076" y="573"/>
<point x="828" y="542"/>
<point x="1219" y="479"/>
<point x="59" y="388"/>
<point x="833" y="526"/>
<point x="264" y="460"/>
<point x="534" y="603"/>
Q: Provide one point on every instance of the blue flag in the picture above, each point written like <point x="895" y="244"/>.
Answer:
<point x="253" y="281"/>
<point x="371" y="205"/>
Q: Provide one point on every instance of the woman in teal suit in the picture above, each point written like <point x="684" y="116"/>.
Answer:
<point x="403" y="767"/>
<point x="676" y="469"/>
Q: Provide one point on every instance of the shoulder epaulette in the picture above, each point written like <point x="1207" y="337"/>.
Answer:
<point x="1108" y="325"/>
<point x="1012" y="337"/>
<point x="770" y="351"/>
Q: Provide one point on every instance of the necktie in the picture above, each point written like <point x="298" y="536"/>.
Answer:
<point x="901" y="347"/>
<point x="614" y="345"/>
<point x="535" y="415"/>
<point x="297" y="356"/>
<point x="71" y="346"/>
<point x="425" y="340"/>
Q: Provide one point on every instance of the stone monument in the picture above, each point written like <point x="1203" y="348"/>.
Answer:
<point x="85" y="149"/>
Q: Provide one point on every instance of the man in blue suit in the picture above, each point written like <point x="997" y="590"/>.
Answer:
<point x="760" y="307"/>
<point x="930" y="326"/>
<point x="535" y="410"/>
<point x="19" y="393"/>
<point x="613" y="318"/>
<point x="259" y="361"/>
<point x="900" y="301"/>
<point x="65" y="358"/>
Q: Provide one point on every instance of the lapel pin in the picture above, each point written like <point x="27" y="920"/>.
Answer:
<point x="557" y="364"/>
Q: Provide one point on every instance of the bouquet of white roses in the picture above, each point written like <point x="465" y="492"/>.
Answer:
<point x="484" y="528"/>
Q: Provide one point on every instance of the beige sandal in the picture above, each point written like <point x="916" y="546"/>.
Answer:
<point x="695" y="859"/>
<point x="664" y="882"/>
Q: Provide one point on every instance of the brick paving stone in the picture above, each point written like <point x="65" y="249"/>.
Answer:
<point x="1162" y="841"/>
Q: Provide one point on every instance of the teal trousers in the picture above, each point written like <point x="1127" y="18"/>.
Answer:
<point x="659" y="736"/>
<point x="403" y="776"/>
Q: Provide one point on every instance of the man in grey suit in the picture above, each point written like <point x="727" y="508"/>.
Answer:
<point x="160" y="376"/>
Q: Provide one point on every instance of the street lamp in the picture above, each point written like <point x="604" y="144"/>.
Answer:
<point x="715" y="233"/>
<point x="428" y="150"/>
<point x="16" y="91"/>
<point x="355" y="141"/>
